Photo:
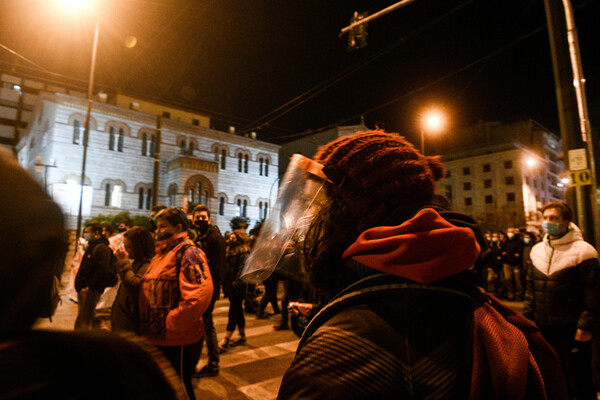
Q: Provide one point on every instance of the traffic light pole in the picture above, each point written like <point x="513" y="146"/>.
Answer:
<point x="572" y="110"/>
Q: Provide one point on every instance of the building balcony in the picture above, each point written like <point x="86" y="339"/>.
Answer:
<point x="192" y="163"/>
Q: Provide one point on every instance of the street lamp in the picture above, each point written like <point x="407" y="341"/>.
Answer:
<point x="78" y="6"/>
<point x="432" y="121"/>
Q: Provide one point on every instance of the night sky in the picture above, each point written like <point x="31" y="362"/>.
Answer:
<point x="245" y="63"/>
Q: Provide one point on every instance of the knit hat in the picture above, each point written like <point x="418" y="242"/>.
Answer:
<point x="380" y="167"/>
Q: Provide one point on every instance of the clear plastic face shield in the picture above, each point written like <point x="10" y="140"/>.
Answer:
<point x="300" y="197"/>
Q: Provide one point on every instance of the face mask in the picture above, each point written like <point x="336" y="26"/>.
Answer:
<point x="526" y="240"/>
<point x="494" y="239"/>
<point x="201" y="225"/>
<point x="510" y="235"/>
<point x="165" y="235"/>
<point x="551" y="228"/>
<point x="88" y="237"/>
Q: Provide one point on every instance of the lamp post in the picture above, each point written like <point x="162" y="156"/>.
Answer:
<point x="86" y="131"/>
<point x="432" y="121"/>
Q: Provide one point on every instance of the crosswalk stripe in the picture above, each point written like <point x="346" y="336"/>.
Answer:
<point x="265" y="390"/>
<point x="249" y="356"/>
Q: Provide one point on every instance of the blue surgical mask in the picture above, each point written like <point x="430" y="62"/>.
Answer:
<point x="88" y="237"/>
<point x="551" y="228"/>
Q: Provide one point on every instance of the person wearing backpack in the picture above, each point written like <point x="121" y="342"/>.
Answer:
<point x="96" y="273"/>
<point x="402" y="317"/>
<point x="175" y="292"/>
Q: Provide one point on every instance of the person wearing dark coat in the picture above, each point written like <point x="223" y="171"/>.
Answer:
<point x="234" y="288"/>
<point x="133" y="258"/>
<point x="402" y="316"/>
<point x="512" y="253"/>
<point x="211" y="241"/>
<point x="93" y="274"/>
<point x="47" y="364"/>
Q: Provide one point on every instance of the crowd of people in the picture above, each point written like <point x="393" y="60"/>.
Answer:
<point x="393" y="294"/>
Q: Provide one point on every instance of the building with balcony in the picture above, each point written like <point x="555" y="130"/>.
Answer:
<point x="501" y="174"/>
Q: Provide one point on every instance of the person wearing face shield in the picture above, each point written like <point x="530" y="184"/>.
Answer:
<point x="402" y="316"/>
<point x="563" y="295"/>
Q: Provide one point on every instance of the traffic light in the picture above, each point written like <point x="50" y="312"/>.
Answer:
<point x="357" y="37"/>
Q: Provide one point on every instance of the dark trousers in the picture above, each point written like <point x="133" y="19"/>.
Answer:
<point x="576" y="358"/>
<point x="184" y="360"/>
<point x="87" y="299"/>
<point x="291" y="292"/>
<point x="210" y="333"/>
<point x="236" y="314"/>
<point x="270" y="295"/>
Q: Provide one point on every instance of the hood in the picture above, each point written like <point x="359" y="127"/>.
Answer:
<point x="426" y="248"/>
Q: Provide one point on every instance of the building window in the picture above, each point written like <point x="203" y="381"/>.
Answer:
<point x="509" y="180"/>
<point x="172" y="196"/>
<point x="245" y="208"/>
<point x="508" y="164"/>
<point x="166" y="114"/>
<point x="205" y="198"/>
<point x="191" y="149"/>
<point x="144" y="144"/>
<point x="239" y="162"/>
<point x="487" y="183"/>
<point x="467" y="186"/>
<point x="467" y="171"/>
<point x="195" y="121"/>
<point x="112" y="196"/>
<point x="111" y="138"/>
<point x="223" y="159"/>
<point x="489" y="199"/>
<point x="487" y="167"/>
<point x="76" y="131"/>
<point x="182" y="146"/>
<point x="149" y="200"/>
<point x="260" y="171"/>
<point x="266" y="167"/>
<point x="238" y="211"/>
<point x="246" y="163"/>
<point x="510" y="197"/>
<point x="121" y="139"/>
<point x="266" y="212"/>
<point x="199" y="191"/>
<point x="107" y="194"/>
<point x="468" y="201"/>
<point x="221" y="205"/>
<point x="152" y="146"/>
<point x="140" y="198"/>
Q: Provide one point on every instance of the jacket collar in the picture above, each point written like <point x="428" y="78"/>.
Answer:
<point x="164" y="246"/>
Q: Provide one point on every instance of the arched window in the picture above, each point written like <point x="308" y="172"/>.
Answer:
<point x="144" y="144"/>
<point x="149" y="200"/>
<point x="111" y="138"/>
<point x="238" y="211"/>
<point x="260" y="166"/>
<point x="205" y="198"/>
<point x="107" y="194"/>
<point x="182" y="145"/>
<point x="141" y="198"/>
<point x="260" y="209"/>
<point x="266" y="211"/>
<point x="223" y="159"/>
<point x="191" y="149"/>
<point x="121" y="139"/>
<point x="221" y="205"/>
<point x="191" y="196"/>
<point x="199" y="190"/>
<point x="240" y="162"/>
<point x="266" y="167"/>
<point x="76" y="131"/>
<point x="245" y="208"/>
<point x="153" y="146"/>
<point x="246" y="163"/>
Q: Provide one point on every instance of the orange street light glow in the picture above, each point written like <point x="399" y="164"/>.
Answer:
<point x="75" y="6"/>
<point x="434" y="121"/>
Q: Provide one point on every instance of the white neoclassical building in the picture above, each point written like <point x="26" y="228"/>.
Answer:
<point x="231" y="174"/>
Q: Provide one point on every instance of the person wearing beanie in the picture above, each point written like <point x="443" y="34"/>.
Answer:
<point x="395" y="266"/>
<point x="51" y="364"/>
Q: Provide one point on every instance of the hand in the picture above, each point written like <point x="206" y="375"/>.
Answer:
<point x="121" y="253"/>
<point x="583" y="336"/>
<point x="300" y="308"/>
